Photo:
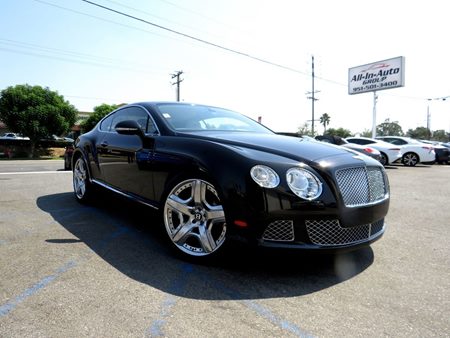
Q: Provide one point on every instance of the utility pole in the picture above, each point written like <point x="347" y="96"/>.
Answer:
<point x="312" y="93"/>
<point x="177" y="82"/>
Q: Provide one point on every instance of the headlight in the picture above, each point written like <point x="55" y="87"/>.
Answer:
<point x="304" y="183"/>
<point x="266" y="177"/>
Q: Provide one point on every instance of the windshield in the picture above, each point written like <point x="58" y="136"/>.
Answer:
<point x="183" y="117"/>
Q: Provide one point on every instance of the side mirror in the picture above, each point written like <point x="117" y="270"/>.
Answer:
<point x="129" y="127"/>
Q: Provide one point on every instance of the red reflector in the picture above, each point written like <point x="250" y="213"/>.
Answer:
<point x="369" y="150"/>
<point x="240" y="223"/>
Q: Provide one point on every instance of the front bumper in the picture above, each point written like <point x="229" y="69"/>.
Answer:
<point x="320" y="235"/>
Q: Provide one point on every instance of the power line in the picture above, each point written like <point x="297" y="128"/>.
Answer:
<point x="99" y="18"/>
<point x="195" y="38"/>
<point x="64" y="59"/>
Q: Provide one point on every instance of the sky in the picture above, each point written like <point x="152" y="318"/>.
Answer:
<point x="257" y="59"/>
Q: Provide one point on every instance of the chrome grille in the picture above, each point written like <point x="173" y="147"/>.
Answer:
<point x="376" y="227"/>
<point x="330" y="232"/>
<point x="282" y="230"/>
<point x="362" y="185"/>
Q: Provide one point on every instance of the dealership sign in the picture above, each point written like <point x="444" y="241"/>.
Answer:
<point x="380" y="75"/>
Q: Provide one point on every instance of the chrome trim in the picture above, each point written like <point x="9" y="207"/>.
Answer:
<point x="279" y="231"/>
<point x="104" y="185"/>
<point x="365" y="186"/>
<point x="330" y="233"/>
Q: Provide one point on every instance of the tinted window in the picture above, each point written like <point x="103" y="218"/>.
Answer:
<point x="397" y="141"/>
<point x="130" y="113"/>
<point x="360" y="141"/>
<point x="193" y="118"/>
<point x="106" y="123"/>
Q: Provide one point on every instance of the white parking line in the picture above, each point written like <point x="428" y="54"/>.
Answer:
<point x="36" y="172"/>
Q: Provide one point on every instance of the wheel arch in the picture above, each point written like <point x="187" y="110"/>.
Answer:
<point x="77" y="153"/>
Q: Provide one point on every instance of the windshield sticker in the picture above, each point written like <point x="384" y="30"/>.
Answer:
<point x="167" y="115"/>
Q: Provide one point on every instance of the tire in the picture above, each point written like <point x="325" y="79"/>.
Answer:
<point x="384" y="159"/>
<point x="410" y="159"/>
<point x="82" y="187"/>
<point x="66" y="163"/>
<point x="194" y="219"/>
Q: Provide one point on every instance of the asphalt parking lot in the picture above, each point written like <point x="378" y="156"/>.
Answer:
<point x="69" y="270"/>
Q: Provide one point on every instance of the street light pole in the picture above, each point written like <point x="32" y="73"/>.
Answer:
<point x="374" y="115"/>
<point x="443" y="98"/>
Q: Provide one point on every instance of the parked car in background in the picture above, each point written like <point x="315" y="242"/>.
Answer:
<point x="389" y="152"/>
<point x="339" y="141"/>
<point x="414" y="152"/>
<point x="442" y="152"/>
<point x="13" y="136"/>
<point x="216" y="175"/>
<point x="68" y="156"/>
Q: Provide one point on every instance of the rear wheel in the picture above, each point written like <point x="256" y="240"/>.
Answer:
<point x="194" y="218"/>
<point x="384" y="159"/>
<point x="66" y="162"/>
<point x="410" y="159"/>
<point x="82" y="187"/>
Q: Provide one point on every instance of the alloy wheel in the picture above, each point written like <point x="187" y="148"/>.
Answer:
<point x="410" y="159"/>
<point x="80" y="178"/>
<point x="194" y="218"/>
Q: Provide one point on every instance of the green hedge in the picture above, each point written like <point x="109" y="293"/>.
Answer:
<point x="21" y="148"/>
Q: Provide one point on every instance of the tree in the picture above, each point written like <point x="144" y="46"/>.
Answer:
<point x="339" y="132"/>
<point x="441" y="135"/>
<point x="305" y="129"/>
<point x="419" y="133"/>
<point x="99" y="112"/>
<point x="388" y="128"/>
<point x="366" y="133"/>
<point x="325" y="120"/>
<point x="35" y="112"/>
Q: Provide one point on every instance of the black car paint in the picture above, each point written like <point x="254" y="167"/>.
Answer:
<point x="144" y="168"/>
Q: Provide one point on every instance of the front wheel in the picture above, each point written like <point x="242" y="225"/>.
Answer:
<point x="194" y="218"/>
<point x="410" y="159"/>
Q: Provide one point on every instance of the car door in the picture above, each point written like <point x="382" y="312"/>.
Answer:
<point x="120" y="155"/>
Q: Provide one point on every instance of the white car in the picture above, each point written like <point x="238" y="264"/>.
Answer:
<point x="389" y="152"/>
<point x="13" y="136"/>
<point x="413" y="151"/>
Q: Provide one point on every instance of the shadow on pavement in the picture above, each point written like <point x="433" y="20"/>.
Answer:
<point x="132" y="239"/>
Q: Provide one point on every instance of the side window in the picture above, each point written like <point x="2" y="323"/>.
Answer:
<point x="106" y="123"/>
<point x="356" y="141"/>
<point x="364" y="142"/>
<point x="398" y="142"/>
<point x="136" y="114"/>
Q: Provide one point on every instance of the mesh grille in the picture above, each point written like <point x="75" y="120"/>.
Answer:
<point x="282" y="230"/>
<point x="361" y="186"/>
<point x="330" y="232"/>
<point x="376" y="227"/>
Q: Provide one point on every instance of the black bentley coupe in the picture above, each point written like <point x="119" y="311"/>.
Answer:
<point x="217" y="175"/>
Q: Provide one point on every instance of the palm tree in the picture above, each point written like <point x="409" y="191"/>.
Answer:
<point x="325" y="120"/>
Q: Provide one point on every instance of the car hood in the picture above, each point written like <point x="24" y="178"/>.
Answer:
<point x="287" y="146"/>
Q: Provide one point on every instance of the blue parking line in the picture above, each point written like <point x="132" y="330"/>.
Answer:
<point x="259" y="309"/>
<point x="11" y="305"/>
<point x="177" y="287"/>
